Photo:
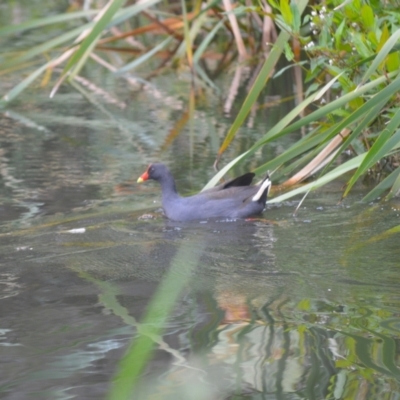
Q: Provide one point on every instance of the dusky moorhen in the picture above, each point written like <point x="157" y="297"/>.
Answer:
<point x="232" y="199"/>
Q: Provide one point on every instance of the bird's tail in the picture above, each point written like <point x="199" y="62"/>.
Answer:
<point x="262" y="193"/>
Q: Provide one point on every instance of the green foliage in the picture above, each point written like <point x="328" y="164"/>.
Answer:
<point x="353" y="45"/>
<point x="82" y="53"/>
<point x="357" y="42"/>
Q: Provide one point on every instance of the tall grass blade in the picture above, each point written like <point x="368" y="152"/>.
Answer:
<point x="130" y="11"/>
<point x="16" y="90"/>
<point x="88" y="43"/>
<point x="254" y="92"/>
<point x="382" y="186"/>
<point x="188" y="42"/>
<point x="385" y="50"/>
<point x="140" y="60"/>
<point x="311" y="140"/>
<point x="47" y="46"/>
<point x="336" y="104"/>
<point x="379" y="149"/>
<point x="279" y="129"/>
<point x="259" y="83"/>
<point x="39" y="23"/>
<point x="368" y="112"/>
<point x="273" y="132"/>
<point x="207" y="40"/>
<point x="394" y="191"/>
<point x="340" y="170"/>
<point x="81" y="61"/>
<point x="202" y="74"/>
<point x="330" y="176"/>
<point x="366" y="118"/>
<point x="276" y="130"/>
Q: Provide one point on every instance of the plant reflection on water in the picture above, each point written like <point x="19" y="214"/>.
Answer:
<point x="254" y="333"/>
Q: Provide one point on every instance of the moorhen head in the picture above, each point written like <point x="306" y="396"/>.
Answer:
<point x="232" y="199"/>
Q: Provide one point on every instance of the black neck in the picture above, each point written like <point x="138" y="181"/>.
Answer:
<point x="168" y="187"/>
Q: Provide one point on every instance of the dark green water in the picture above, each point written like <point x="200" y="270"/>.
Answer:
<point x="283" y="307"/>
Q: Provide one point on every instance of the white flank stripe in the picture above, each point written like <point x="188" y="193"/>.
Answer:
<point x="266" y="184"/>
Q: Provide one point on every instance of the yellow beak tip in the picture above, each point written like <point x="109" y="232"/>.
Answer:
<point x="140" y="180"/>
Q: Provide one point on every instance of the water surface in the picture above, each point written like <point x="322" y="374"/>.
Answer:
<point x="289" y="307"/>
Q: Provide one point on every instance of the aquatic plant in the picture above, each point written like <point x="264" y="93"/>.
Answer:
<point x="347" y="52"/>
